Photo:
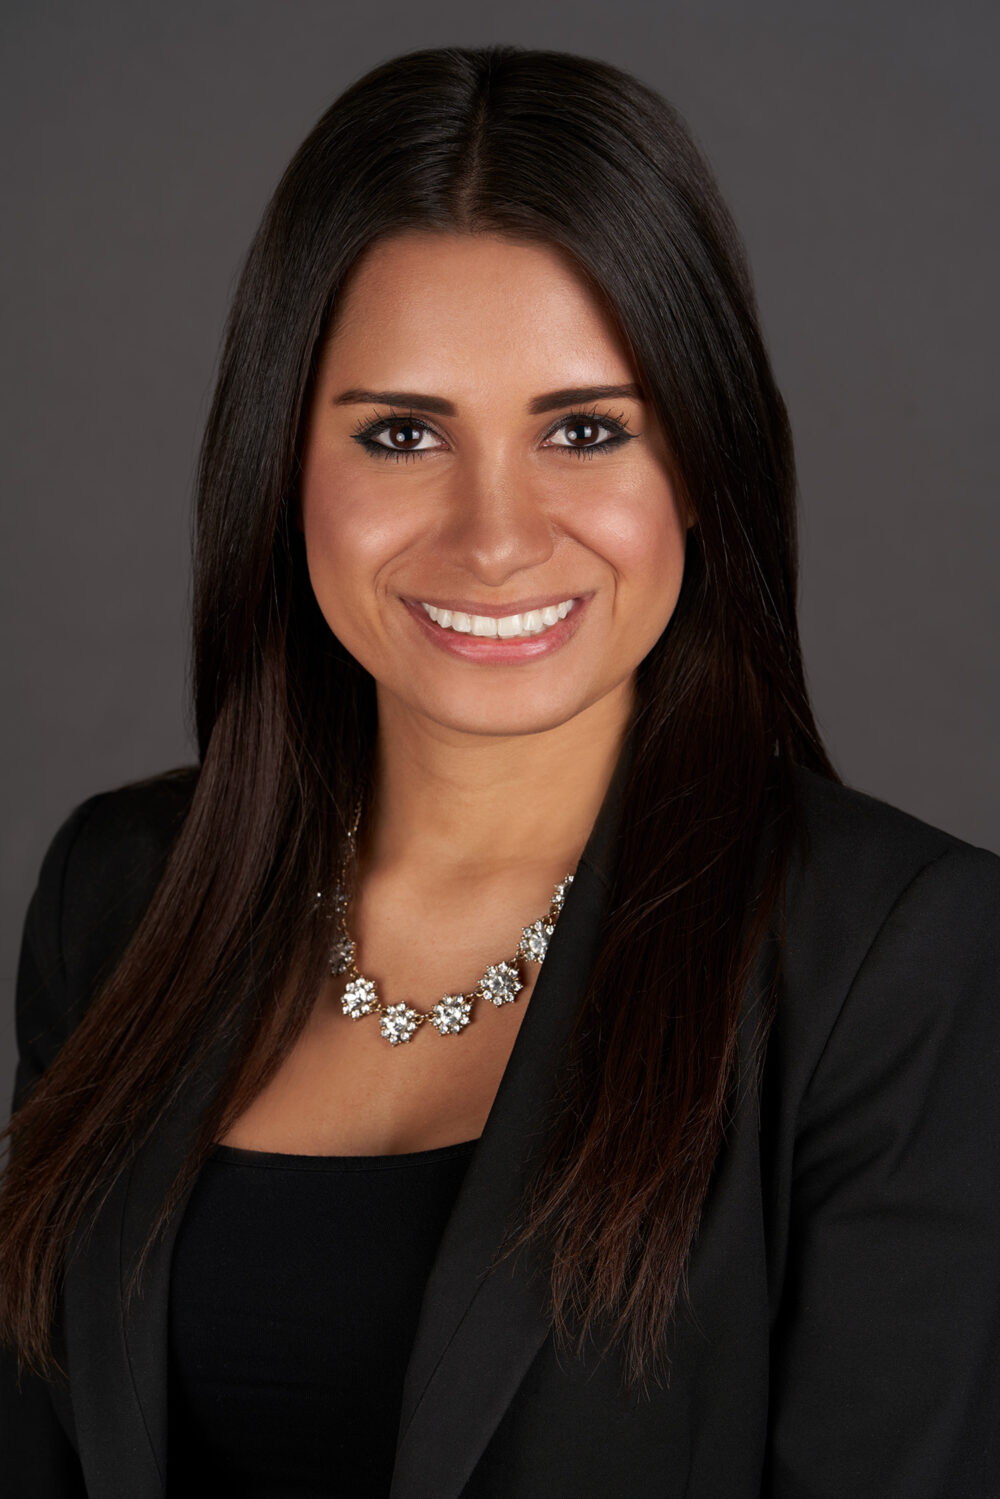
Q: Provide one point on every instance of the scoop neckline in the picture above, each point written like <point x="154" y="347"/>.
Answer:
<point x="239" y="1155"/>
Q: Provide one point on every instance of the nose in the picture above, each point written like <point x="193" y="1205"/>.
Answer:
<point x="498" y="525"/>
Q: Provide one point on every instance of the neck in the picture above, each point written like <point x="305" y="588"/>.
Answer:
<point x="453" y="802"/>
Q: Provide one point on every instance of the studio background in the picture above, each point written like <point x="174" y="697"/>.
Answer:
<point x="857" y="146"/>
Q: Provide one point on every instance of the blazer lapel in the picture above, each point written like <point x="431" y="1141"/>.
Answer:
<point x="112" y="1438"/>
<point x="479" y="1330"/>
<point x="118" y="1354"/>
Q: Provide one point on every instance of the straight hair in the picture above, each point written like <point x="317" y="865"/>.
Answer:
<point x="572" y="153"/>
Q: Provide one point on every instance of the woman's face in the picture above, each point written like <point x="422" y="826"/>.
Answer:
<point x="497" y="542"/>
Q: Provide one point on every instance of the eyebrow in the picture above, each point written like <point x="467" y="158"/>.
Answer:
<point x="572" y="396"/>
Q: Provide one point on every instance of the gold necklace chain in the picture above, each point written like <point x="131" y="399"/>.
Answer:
<point x="500" y="984"/>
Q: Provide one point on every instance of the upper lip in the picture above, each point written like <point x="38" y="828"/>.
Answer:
<point x="496" y="611"/>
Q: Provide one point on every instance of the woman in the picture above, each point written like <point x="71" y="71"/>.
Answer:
<point x="499" y="686"/>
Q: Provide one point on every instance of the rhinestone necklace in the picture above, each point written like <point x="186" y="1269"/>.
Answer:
<point x="500" y="984"/>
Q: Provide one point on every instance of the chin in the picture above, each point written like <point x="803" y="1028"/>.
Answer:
<point x="506" y="715"/>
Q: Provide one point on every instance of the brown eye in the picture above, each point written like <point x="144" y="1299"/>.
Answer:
<point x="404" y="435"/>
<point x="584" y="433"/>
<point x="589" y="434"/>
<point x="396" y="437"/>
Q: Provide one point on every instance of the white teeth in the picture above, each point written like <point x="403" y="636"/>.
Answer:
<point x="509" y="627"/>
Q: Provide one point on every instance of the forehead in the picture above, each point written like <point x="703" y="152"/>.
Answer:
<point x="480" y="298"/>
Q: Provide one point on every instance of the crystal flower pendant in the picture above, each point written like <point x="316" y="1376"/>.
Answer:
<point x="398" y="1023"/>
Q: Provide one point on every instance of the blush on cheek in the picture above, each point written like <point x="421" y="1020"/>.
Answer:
<point x="639" y="536"/>
<point x="362" y="524"/>
<point x="351" y="545"/>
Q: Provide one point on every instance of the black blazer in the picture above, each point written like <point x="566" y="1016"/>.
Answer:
<point x="843" y="1338"/>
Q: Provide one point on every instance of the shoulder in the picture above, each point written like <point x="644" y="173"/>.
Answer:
<point x="860" y="854"/>
<point x="108" y="855"/>
<point x="97" y="877"/>
<point x="131" y="826"/>
<point x="892" y="929"/>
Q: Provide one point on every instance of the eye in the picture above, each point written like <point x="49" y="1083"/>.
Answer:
<point x="585" y="429"/>
<point x="405" y="435"/>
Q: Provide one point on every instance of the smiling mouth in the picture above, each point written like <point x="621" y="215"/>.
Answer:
<point x="505" y="627"/>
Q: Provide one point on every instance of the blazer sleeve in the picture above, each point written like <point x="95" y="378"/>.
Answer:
<point x="37" y="1457"/>
<point x="886" y="1349"/>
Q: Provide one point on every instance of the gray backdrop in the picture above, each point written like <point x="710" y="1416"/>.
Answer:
<point x="856" y="144"/>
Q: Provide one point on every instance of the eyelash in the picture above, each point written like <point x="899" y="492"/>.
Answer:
<point x="365" y="431"/>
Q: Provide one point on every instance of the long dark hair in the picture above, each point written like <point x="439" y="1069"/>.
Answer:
<point x="574" y="153"/>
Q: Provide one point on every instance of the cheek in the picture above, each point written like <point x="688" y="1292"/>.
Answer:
<point x="639" y="533"/>
<point x="352" y="529"/>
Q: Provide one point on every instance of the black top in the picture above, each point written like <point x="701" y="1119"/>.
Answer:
<point x="296" y="1284"/>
